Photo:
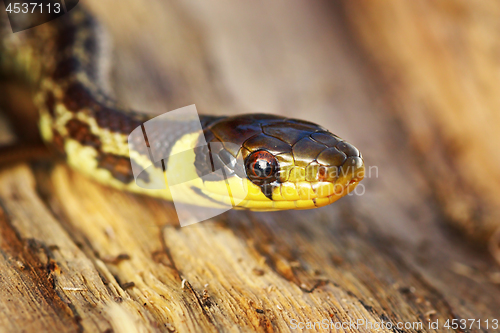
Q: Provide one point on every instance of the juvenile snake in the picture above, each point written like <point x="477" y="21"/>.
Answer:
<point x="269" y="162"/>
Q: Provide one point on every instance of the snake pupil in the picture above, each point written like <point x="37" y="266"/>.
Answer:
<point x="261" y="167"/>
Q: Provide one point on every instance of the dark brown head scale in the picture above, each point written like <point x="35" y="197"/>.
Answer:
<point x="335" y="159"/>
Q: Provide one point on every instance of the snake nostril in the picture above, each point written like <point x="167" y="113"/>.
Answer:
<point x="353" y="167"/>
<point x="347" y="149"/>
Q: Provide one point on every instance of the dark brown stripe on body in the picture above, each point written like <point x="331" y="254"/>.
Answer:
<point x="68" y="27"/>
<point x="50" y="103"/>
<point x="66" y="68"/>
<point x="115" y="120"/>
<point x="90" y="45"/>
<point x="58" y="142"/>
<point x="67" y="33"/>
<point x="77" y="97"/>
<point x="120" y="167"/>
<point x="81" y="132"/>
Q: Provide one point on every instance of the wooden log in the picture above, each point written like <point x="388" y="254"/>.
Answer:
<point x="77" y="256"/>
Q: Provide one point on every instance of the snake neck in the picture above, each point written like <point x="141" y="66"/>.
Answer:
<point x="66" y="64"/>
<point x="66" y="60"/>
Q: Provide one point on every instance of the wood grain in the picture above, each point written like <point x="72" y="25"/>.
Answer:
<point x="77" y="256"/>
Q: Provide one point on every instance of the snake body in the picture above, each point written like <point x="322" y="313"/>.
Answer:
<point x="268" y="162"/>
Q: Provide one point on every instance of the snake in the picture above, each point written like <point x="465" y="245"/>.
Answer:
<point x="261" y="162"/>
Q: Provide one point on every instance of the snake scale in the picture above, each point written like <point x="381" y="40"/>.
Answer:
<point x="269" y="162"/>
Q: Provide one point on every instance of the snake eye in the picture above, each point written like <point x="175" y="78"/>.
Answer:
<point x="261" y="167"/>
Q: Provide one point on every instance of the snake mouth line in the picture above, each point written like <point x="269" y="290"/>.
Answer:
<point x="353" y="181"/>
<point x="346" y="189"/>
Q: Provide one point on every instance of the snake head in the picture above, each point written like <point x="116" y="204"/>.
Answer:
<point x="275" y="163"/>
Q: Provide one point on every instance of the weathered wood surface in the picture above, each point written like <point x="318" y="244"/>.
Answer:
<point x="80" y="256"/>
